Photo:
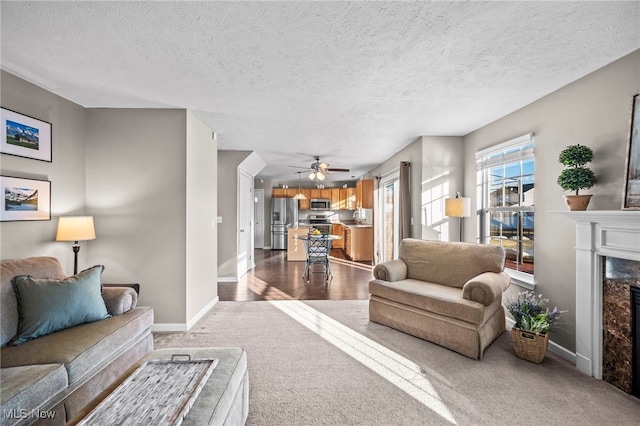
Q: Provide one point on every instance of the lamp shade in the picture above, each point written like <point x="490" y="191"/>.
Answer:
<point x="457" y="207"/>
<point x="75" y="228"/>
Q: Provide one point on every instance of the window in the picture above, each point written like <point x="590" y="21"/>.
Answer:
<point x="390" y="208"/>
<point x="506" y="184"/>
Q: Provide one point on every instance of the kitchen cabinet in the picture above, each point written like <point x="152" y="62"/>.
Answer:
<point x="314" y="193"/>
<point x="335" y="199"/>
<point x="325" y="193"/>
<point x="358" y="242"/>
<point x="347" y="198"/>
<point x="364" y="194"/>
<point x="291" y="192"/>
<point x="278" y="193"/>
<point x="337" y="229"/>
<point x="305" y="204"/>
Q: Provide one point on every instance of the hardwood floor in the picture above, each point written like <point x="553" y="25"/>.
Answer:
<point x="274" y="278"/>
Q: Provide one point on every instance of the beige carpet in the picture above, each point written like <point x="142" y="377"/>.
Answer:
<point x="298" y="377"/>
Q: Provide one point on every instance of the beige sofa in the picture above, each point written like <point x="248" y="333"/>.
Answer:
<point x="447" y="293"/>
<point x="49" y="379"/>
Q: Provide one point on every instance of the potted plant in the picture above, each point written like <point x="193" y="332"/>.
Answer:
<point x="530" y="334"/>
<point x="576" y="175"/>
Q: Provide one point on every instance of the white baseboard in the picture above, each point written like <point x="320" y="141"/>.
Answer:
<point x="168" y="327"/>
<point x="557" y="349"/>
<point x="182" y="327"/>
<point x="202" y="312"/>
<point x="227" y="280"/>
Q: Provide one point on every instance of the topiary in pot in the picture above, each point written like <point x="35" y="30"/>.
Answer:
<point x="576" y="175"/>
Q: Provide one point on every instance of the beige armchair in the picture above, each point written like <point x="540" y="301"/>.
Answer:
<point x="447" y="293"/>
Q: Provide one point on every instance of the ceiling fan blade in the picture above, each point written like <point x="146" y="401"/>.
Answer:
<point x="334" y="169"/>
<point x="298" y="167"/>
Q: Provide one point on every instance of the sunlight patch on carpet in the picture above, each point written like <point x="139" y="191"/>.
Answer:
<point x="398" y="370"/>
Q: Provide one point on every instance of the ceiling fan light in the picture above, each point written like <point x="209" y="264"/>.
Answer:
<point x="320" y="176"/>
<point x="323" y="165"/>
<point x="312" y="175"/>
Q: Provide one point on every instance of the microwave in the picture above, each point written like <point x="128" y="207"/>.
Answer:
<point x="320" y="204"/>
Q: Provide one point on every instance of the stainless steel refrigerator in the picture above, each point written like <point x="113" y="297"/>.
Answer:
<point x="284" y="213"/>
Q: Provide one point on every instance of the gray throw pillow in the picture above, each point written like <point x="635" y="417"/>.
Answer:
<point x="48" y="305"/>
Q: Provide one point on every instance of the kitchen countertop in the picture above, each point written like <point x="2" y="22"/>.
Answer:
<point x="356" y="225"/>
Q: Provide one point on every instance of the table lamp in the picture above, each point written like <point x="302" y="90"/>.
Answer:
<point x="458" y="207"/>
<point x="75" y="228"/>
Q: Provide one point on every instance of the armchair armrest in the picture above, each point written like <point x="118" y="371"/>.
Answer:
<point x="486" y="288"/>
<point x="119" y="299"/>
<point x="392" y="270"/>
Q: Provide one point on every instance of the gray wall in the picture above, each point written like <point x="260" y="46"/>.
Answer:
<point x="148" y="177"/>
<point x="202" y="204"/>
<point x="66" y="172"/>
<point x="442" y="176"/>
<point x="436" y="173"/>
<point x="228" y="162"/>
<point x="136" y="191"/>
<point x="593" y="111"/>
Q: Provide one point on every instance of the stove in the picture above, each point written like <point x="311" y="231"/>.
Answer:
<point x="321" y="222"/>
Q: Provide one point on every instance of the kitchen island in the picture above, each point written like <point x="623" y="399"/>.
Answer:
<point x="358" y="242"/>
<point x="295" y="246"/>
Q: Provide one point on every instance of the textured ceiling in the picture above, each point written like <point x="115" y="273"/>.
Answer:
<point x="353" y="82"/>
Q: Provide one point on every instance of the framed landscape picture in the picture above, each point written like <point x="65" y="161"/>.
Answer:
<point x="631" y="200"/>
<point x="25" y="136"/>
<point x="25" y="199"/>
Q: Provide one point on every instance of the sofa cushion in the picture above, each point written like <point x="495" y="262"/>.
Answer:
<point x="48" y="305"/>
<point x="443" y="300"/>
<point x="451" y="264"/>
<point x="26" y="388"/>
<point x="83" y="349"/>
<point x="37" y="267"/>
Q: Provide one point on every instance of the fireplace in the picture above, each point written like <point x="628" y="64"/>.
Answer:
<point x="621" y="301"/>
<point x="599" y="234"/>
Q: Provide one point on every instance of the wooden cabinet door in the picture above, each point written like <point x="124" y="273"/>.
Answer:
<point x="366" y="194"/>
<point x="304" y="204"/>
<point x="351" y="199"/>
<point x="315" y="193"/>
<point x="278" y="193"/>
<point x="325" y="193"/>
<point x="335" y="198"/>
<point x="343" y="199"/>
<point x="337" y="229"/>
<point x="291" y="192"/>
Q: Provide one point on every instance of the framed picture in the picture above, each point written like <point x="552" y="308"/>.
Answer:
<point x="25" y="199"/>
<point x="631" y="199"/>
<point x="25" y="136"/>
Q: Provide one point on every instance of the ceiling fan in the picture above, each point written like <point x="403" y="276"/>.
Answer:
<point x="319" y="170"/>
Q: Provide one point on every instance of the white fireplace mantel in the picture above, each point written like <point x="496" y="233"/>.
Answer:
<point x="599" y="233"/>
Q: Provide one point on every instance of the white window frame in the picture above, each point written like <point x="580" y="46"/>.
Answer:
<point x="512" y="150"/>
<point x="393" y="178"/>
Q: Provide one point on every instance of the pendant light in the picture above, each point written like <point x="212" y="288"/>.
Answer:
<point x="299" y="195"/>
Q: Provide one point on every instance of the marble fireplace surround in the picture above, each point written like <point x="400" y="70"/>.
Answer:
<point x="599" y="233"/>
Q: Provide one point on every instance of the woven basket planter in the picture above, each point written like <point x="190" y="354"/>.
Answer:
<point x="529" y="345"/>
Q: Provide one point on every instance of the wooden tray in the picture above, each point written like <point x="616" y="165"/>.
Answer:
<point x="159" y="392"/>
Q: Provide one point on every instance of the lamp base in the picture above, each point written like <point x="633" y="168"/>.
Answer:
<point x="76" y="249"/>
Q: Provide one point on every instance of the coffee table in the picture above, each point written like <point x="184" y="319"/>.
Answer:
<point x="224" y="398"/>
